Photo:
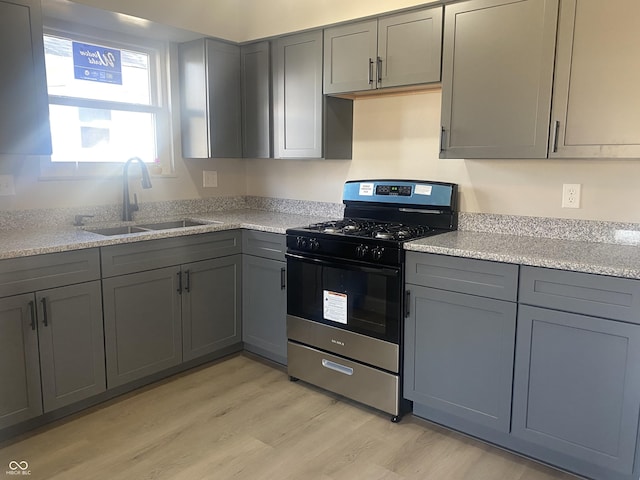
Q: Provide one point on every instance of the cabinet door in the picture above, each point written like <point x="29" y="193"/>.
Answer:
<point x="410" y="48"/>
<point x="71" y="343"/>
<point x="298" y="96"/>
<point x="459" y="355"/>
<point x="211" y="305"/>
<point x="20" y="397"/>
<point x="143" y="331"/>
<point x="497" y="71"/>
<point x="255" y="62"/>
<point x="577" y="386"/>
<point x="24" y="119"/>
<point x="596" y="106"/>
<point x="350" y="57"/>
<point x="264" y="307"/>
<point x="210" y="99"/>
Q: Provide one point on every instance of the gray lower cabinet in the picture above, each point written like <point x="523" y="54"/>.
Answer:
<point x="264" y="295"/>
<point x="595" y="99"/>
<point x="24" y="118"/>
<point x="54" y="350"/>
<point x="211" y="306"/>
<point x="306" y="123"/>
<point x="459" y="355"/>
<point x="577" y="387"/>
<point x="20" y="395"/>
<point x="170" y="300"/>
<point x="394" y="50"/>
<point x="142" y="322"/>
<point x="210" y="99"/>
<point x="257" y="104"/>
<point x="497" y="73"/>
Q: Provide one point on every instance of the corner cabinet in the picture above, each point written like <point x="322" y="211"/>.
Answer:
<point x="257" y="117"/>
<point x="497" y="73"/>
<point x="458" y="340"/>
<point x="264" y="299"/>
<point x="596" y="106"/>
<point x="52" y="346"/>
<point x="210" y="99"/>
<point x="24" y="118"/>
<point x="395" y="50"/>
<point x="168" y="301"/>
<point x="306" y="123"/>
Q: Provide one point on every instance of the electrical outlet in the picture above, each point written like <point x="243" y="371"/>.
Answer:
<point x="209" y="178"/>
<point x="571" y="195"/>
<point x="6" y="185"/>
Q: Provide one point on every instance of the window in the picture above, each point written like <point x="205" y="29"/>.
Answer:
<point x="107" y="103"/>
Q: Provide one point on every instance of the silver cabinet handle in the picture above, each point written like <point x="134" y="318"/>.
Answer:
<point x="379" y="68"/>
<point x="32" y="309"/>
<point x="337" y="367"/>
<point x="442" y="134"/>
<point x="45" y="316"/>
<point x="283" y="278"/>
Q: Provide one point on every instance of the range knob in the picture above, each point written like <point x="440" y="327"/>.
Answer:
<point x="361" y="251"/>
<point x="314" y="244"/>
<point x="376" y="253"/>
<point x="301" y="243"/>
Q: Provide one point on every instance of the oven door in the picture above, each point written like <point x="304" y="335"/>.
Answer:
<point x="360" y="298"/>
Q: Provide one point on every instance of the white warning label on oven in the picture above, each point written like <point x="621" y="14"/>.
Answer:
<point x="335" y="306"/>
<point x="423" y="189"/>
<point x="366" y="189"/>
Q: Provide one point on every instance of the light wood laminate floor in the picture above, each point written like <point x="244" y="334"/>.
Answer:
<point x="243" y="419"/>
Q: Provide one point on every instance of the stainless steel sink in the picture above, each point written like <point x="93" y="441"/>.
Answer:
<point x="170" y="225"/>
<point x="125" y="230"/>
<point x="148" y="227"/>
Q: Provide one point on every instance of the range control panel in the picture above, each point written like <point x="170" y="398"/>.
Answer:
<point x="400" y="190"/>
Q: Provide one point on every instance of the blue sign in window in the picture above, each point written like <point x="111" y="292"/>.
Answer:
<point x="96" y="63"/>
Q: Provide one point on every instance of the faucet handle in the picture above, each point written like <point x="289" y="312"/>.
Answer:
<point x="78" y="220"/>
<point x="134" y="205"/>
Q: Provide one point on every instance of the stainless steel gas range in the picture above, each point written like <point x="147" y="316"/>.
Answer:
<point x="345" y="300"/>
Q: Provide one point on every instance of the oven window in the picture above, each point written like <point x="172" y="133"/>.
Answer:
<point x="363" y="300"/>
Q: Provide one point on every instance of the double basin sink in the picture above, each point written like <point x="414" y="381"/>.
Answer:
<point x="147" y="227"/>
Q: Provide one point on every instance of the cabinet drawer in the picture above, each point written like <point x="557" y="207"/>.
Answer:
<point x="38" y="272"/>
<point x="464" y="275"/>
<point x="264" y="244"/>
<point x="596" y="295"/>
<point x="147" y="255"/>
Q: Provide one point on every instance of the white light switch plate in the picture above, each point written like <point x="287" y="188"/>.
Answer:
<point x="6" y="185"/>
<point x="209" y="178"/>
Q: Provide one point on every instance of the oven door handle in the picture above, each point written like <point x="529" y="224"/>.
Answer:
<point x="391" y="272"/>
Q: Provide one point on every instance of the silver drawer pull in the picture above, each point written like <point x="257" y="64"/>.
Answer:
<point x="337" y="367"/>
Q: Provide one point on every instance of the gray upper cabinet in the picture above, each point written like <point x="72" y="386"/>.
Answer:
<point x="257" y="130"/>
<point x="306" y="124"/>
<point x="396" y="50"/>
<point x="596" y="106"/>
<point x="210" y="99"/>
<point x="497" y="73"/>
<point x="24" y="117"/>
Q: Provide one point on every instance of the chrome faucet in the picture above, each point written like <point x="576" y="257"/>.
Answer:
<point x="127" y="207"/>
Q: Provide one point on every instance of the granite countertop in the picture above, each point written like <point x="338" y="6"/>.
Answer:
<point x="580" y="256"/>
<point x="36" y="241"/>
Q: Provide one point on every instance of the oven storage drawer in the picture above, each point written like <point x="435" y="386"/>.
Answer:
<point x="359" y="382"/>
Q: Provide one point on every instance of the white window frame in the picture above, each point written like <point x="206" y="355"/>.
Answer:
<point x="160" y="105"/>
